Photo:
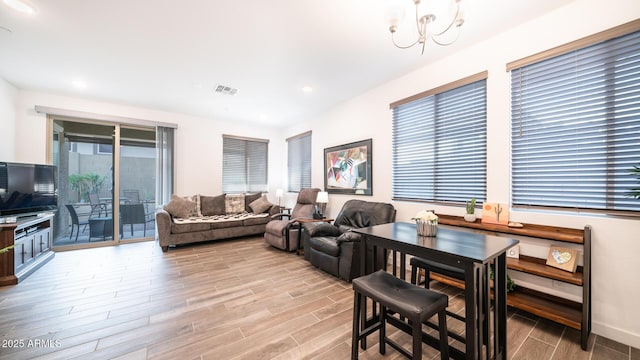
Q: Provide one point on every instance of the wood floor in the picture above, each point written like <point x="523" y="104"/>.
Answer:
<point x="236" y="299"/>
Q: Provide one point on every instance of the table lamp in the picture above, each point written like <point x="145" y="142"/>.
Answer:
<point x="322" y="199"/>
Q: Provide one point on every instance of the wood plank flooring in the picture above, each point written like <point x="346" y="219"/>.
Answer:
<point x="236" y="299"/>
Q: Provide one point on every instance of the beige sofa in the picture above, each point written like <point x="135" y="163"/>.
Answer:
<point x="204" y="218"/>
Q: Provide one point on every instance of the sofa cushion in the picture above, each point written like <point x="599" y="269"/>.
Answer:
<point x="212" y="205"/>
<point x="248" y="199"/>
<point x="234" y="203"/>
<point x="256" y="219"/>
<point x="260" y="205"/>
<point x="189" y="227"/>
<point x="325" y="244"/>
<point x="180" y="207"/>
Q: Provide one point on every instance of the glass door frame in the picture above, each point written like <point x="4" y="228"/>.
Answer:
<point x="115" y="208"/>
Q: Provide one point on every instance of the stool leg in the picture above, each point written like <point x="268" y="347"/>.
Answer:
<point x="444" y="338"/>
<point x="355" y="333"/>
<point x="382" y="331"/>
<point x="416" y="332"/>
<point x="414" y="275"/>
<point x="427" y="278"/>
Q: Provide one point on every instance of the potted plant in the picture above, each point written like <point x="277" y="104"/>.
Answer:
<point x="426" y="223"/>
<point x="470" y="216"/>
<point x="635" y="192"/>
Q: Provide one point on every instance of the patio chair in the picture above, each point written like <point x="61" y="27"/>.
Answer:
<point x="75" y="221"/>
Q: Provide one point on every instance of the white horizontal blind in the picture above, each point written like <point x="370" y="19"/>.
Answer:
<point x="576" y="127"/>
<point x="439" y="146"/>
<point x="299" y="162"/>
<point x="244" y="167"/>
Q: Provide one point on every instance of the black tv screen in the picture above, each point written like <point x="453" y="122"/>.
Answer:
<point x="27" y="188"/>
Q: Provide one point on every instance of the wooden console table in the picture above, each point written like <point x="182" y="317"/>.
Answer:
<point x="31" y="238"/>
<point x="573" y="314"/>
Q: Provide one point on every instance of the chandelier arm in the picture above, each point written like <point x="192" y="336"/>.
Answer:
<point x="451" y="23"/>
<point x="421" y="30"/>
<point x="393" y="40"/>
<point x="446" y="43"/>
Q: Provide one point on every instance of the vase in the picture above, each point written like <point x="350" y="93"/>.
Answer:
<point x="426" y="228"/>
<point x="470" y="217"/>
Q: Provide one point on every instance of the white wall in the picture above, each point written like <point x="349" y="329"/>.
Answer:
<point x="615" y="287"/>
<point x="198" y="140"/>
<point x="8" y="94"/>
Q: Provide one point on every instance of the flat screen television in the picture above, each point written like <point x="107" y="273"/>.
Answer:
<point x="27" y="189"/>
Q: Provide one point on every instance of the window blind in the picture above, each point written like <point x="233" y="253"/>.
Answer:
<point x="439" y="146"/>
<point x="575" y="122"/>
<point x="244" y="167"/>
<point x="299" y="162"/>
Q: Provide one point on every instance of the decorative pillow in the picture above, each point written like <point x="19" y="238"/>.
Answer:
<point x="249" y="198"/>
<point x="196" y="199"/>
<point x="261" y="205"/>
<point x="234" y="203"/>
<point x="212" y="205"/>
<point x="180" y="207"/>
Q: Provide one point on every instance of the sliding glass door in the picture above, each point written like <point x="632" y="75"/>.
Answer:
<point x="106" y="183"/>
<point x="137" y="182"/>
<point x="82" y="153"/>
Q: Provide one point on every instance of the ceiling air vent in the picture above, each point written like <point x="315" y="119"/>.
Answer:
<point x="227" y="90"/>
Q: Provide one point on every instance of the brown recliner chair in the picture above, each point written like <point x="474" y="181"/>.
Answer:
<point x="283" y="233"/>
<point x="335" y="248"/>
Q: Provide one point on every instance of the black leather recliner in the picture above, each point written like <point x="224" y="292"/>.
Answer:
<point x="334" y="248"/>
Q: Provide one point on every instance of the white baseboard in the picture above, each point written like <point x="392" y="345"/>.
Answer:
<point x="615" y="334"/>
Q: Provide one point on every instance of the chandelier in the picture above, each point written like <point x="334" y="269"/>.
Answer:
<point x="449" y="19"/>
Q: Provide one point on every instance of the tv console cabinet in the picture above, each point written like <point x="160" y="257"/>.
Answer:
<point x="573" y="314"/>
<point x="31" y="238"/>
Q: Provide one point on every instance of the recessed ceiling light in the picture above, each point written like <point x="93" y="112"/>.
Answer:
<point x="307" y="89"/>
<point x="79" y="84"/>
<point x="21" y="5"/>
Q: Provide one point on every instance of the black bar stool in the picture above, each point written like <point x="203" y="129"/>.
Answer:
<point x="453" y="272"/>
<point x="431" y="266"/>
<point x="408" y="300"/>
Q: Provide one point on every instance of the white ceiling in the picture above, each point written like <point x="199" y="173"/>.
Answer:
<point x="170" y="55"/>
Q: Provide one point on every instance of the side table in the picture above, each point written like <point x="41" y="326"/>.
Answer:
<point x="303" y="221"/>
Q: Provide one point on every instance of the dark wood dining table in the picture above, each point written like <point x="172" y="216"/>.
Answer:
<point x="465" y="249"/>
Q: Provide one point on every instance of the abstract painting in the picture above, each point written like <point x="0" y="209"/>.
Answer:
<point x="347" y="168"/>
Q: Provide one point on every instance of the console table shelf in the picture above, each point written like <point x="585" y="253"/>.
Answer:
<point x="576" y="315"/>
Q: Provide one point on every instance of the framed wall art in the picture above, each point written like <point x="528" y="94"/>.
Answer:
<point x="495" y="213"/>
<point x="347" y="168"/>
<point x="563" y="258"/>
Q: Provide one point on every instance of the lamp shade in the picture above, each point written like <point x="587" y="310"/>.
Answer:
<point x="279" y="193"/>
<point x="323" y="197"/>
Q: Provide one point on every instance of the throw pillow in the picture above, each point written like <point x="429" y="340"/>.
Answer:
<point x="212" y="205"/>
<point x="196" y="199"/>
<point x="261" y="205"/>
<point x="249" y="198"/>
<point x="180" y="207"/>
<point x="234" y="203"/>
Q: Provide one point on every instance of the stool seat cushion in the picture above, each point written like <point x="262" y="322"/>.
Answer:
<point x="443" y="269"/>
<point x="400" y="296"/>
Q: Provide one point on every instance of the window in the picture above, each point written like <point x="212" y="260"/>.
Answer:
<point x="244" y="167"/>
<point x="439" y="143"/>
<point x="299" y="161"/>
<point x="575" y="119"/>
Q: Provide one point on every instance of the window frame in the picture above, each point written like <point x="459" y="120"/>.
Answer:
<point x="440" y="115"/>
<point x="577" y="46"/>
<point x="247" y="186"/>
<point x="299" y="143"/>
